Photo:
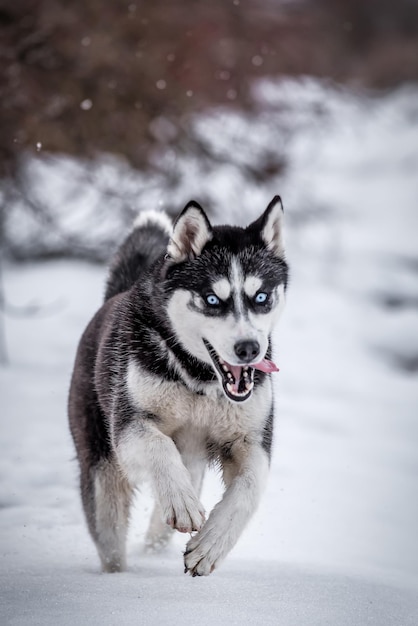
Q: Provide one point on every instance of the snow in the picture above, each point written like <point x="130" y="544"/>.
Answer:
<point x="334" y="540"/>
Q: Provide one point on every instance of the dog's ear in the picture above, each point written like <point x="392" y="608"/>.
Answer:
<point x="192" y="231"/>
<point x="270" y="226"/>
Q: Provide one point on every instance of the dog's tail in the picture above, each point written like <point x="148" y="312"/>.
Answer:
<point x="146" y="242"/>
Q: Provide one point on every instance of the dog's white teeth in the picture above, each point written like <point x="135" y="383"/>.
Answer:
<point x="224" y="367"/>
<point x="239" y="394"/>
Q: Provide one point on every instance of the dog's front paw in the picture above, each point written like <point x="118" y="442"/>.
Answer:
<point x="203" y="553"/>
<point x="184" y="513"/>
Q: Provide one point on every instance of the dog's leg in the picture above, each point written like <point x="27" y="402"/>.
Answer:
<point x="196" y="467"/>
<point x="143" y="448"/>
<point x="106" y="497"/>
<point x="159" y="533"/>
<point x="245" y="475"/>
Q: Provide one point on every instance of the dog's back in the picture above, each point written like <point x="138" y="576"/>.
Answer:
<point x="89" y="402"/>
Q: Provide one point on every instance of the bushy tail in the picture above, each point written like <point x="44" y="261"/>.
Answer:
<point x="147" y="241"/>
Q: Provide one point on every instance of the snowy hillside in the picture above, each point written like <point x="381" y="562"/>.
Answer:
<point x="334" y="541"/>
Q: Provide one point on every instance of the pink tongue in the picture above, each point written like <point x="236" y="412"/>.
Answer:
<point x="265" y="366"/>
<point x="236" y="373"/>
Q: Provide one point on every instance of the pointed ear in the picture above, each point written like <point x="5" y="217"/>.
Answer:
<point x="270" y="225"/>
<point x="192" y="230"/>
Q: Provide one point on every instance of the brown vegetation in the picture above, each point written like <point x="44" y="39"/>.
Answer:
<point x="86" y="76"/>
<point x="83" y="77"/>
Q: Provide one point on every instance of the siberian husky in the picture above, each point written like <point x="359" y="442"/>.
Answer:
<point x="173" y="373"/>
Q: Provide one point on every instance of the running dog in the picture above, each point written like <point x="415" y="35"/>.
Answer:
<point x="173" y="373"/>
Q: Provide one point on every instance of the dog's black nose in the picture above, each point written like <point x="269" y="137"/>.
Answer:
<point x="247" y="351"/>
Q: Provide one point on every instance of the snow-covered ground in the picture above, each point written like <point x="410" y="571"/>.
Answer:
<point x="335" y="539"/>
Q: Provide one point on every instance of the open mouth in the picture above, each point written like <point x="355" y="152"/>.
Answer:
<point x="237" y="380"/>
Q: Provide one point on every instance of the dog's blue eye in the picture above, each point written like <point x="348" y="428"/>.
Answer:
<point x="261" y="297"/>
<point x="212" y="300"/>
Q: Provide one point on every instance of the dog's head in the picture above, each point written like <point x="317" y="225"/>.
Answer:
<point x="226" y="288"/>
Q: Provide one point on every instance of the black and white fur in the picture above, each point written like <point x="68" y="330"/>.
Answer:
<point x="151" y="395"/>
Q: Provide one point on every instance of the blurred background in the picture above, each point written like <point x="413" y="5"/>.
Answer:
<point x="126" y="104"/>
<point x="107" y="108"/>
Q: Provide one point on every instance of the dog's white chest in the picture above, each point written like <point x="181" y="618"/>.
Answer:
<point x="176" y="407"/>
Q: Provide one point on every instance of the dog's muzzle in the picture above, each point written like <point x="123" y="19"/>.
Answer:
<point x="237" y="380"/>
